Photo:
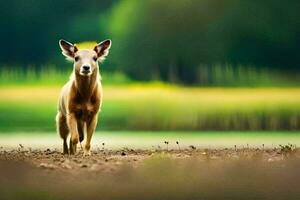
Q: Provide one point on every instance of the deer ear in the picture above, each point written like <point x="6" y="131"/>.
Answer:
<point x="102" y="49"/>
<point x="68" y="49"/>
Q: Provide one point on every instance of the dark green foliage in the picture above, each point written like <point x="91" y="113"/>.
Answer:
<point x="171" y="40"/>
<point x="30" y="30"/>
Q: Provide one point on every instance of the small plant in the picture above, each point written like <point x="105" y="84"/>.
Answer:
<point x="167" y="143"/>
<point x="178" y="145"/>
<point x="287" y="149"/>
<point x="192" y="147"/>
<point x="21" y="148"/>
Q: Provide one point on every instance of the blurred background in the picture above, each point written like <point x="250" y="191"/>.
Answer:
<point x="188" y="65"/>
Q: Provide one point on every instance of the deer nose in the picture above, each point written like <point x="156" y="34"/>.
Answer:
<point x="86" y="67"/>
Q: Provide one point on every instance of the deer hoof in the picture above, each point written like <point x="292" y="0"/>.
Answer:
<point x="87" y="153"/>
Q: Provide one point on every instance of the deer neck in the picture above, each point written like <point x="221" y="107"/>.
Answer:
<point x="85" y="85"/>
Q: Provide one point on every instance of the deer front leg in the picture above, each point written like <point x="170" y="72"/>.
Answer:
<point x="72" y="124"/>
<point x="91" y="126"/>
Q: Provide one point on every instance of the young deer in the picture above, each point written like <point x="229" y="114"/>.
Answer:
<point x="80" y="98"/>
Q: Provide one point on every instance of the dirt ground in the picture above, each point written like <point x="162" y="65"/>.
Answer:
<point x="246" y="173"/>
<point x="111" y="160"/>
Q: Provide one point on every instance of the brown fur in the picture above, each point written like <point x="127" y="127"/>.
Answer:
<point x="80" y="100"/>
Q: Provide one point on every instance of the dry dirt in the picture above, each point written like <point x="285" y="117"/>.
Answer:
<point x="131" y="174"/>
<point x="111" y="160"/>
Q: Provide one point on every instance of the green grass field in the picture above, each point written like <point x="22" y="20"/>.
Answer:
<point x="159" y="107"/>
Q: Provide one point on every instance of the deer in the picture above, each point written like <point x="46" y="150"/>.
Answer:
<point x="80" y="99"/>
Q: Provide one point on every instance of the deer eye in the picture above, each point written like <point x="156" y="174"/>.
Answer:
<point x="76" y="58"/>
<point x="95" y="58"/>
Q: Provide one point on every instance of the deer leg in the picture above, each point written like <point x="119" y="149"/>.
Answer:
<point x="72" y="124"/>
<point x="62" y="129"/>
<point x="91" y="126"/>
<point x="65" y="147"/>
<point x="80" y="127"/>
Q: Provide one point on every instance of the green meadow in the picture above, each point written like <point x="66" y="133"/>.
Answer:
<point x="28" y="102"/>
<point x="156" y="106"/>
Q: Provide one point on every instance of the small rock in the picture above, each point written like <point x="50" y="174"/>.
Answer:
<point x="94" y="167"/>
<point x="77" y="160"/>
<point x="47" y="166"/>
<point x="43" y="165"/>
<point x="66" y="166"/>
<point x="84" y="166"/>
<point x="274" y="159"/>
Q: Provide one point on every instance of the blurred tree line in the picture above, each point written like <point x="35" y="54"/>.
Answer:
<point x="30" y="29"/>
<point x="170" y="40"/>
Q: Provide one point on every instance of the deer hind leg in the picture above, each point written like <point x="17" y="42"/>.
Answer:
<point x="72" y="124"/>
<point x="62" y="129"/>
<point x="80" y="127"/>
<point x="91" y="126"/>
